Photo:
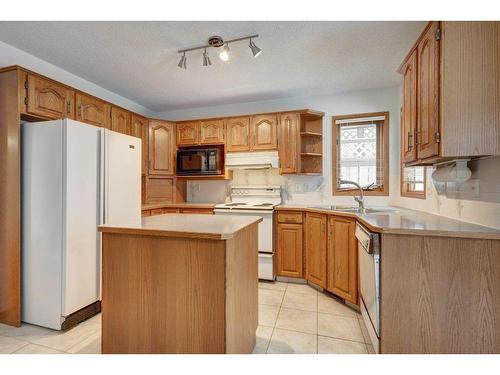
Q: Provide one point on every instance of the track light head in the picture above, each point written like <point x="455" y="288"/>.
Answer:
<point x="206" y="59"/>
<point x="256" y="51"/>
<point x="224" y="55"/>
<point x="182" y="62"/>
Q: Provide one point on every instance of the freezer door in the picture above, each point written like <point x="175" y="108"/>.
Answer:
<point x="122" y="179"/>
<point x="81" y="188"/>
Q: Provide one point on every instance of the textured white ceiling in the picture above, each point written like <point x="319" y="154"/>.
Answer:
<point x="138" y="60"/>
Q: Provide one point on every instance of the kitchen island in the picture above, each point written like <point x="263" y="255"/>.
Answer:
<point x="180" y="284"/>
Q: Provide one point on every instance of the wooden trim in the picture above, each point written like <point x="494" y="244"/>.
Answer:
<point x="10" y="221"/>
<point x="384" y="150"/>
<point x="414" y="47"/>
<point x="298" y="111"/>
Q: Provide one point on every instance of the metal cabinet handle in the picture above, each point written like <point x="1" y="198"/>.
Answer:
<point x="410" y="139"/>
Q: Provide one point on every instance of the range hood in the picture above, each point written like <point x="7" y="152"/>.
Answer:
<point x="252" y="160"/>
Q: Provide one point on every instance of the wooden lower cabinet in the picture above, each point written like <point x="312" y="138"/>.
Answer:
<point x="289" y="251"/>
<point x="321" y="248"/>
<point x="342" y="258"/>
<point x="315" y="245"/>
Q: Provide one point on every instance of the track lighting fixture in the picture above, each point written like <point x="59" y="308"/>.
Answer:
<point x="224" y="55"/>
<point x="217" y="42"/>
<point x="206" y="59"/>
<point x="182" y="63"/>
<point x="256" y="51"/>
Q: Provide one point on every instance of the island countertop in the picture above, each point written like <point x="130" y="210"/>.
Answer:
<point x="187" y="226"/>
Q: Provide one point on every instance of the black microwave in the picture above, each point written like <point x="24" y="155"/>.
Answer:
<point x="199" y="161"/>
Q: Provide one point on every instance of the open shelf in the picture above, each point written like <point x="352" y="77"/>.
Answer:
<point x="311" y="145"/>
<point x="310" y="154"/>
<point x="311" y="134"/>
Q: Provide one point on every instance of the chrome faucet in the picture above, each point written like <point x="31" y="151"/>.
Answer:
<point x="360" y="199"/>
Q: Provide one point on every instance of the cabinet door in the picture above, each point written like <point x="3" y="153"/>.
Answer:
<point x="188" y="133"/>
<point x="428" y="94"/>
<point x="288" y="142"/>
<point x="316" y="248"/>
<point x="161" y="147"/>
<point x="159" y="189"/>
<point x="139" y="129"/>
<point x="120" y="120"/>
<point x="212" y="132"/>
<point x="238" y="134"/>
<point x="342" y="259"/>
<point x="48" y="99"/>
<point x="409" y="110"/>
<point x="289" y="250"/>
<point x="263" y="132"/>
<point x="92" y="111"/>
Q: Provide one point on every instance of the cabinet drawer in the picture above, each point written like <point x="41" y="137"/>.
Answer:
<point x="290" y="217"/>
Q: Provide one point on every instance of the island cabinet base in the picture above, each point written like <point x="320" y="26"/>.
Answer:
<point x="179" y="295"/>
<point x="439" y="295"/>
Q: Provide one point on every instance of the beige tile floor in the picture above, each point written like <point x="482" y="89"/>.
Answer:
<point x="85" y="338"/>
<point x="296" y="318"/>
<point x="293" y="318"/>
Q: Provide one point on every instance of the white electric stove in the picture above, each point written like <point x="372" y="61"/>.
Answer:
<point x="256" y="201"/>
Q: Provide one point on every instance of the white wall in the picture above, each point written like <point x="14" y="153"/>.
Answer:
<point x="12" y="56"/>
<point x="304" y="189"/>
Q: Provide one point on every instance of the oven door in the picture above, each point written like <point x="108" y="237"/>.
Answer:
<point x="266" y="242"/>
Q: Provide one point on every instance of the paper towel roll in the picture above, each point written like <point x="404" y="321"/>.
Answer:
<point x="457" y="172"/>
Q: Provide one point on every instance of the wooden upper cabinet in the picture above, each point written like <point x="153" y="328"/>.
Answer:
<point x="288" y="142"/>
<point x="263" y="132"/>
<point x="92" y="110"/>
<point x="48" y="99"/>
<point x="315" y="244"/>
<point x="428" y="93"/>
<point x="342" y="259"/>
<point x="289" y="252"/>
<point x="212" y="131"/>
<point x="188" y="133"/>
<point x="139" y="129"/>
<point x="238" y="134"/>
<point x="409" y="109"/>
<point x="120" y="120"/>
<point x="162" y="147"/>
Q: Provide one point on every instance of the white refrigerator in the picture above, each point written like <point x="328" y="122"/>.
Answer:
<point x="74" y="177"/>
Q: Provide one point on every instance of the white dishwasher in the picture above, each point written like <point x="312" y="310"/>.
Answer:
<point x="369" y="278"/>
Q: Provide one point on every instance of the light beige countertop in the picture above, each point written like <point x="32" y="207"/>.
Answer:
<point x="397" y="220"/>
<point x="152" y="206"/>
<point x="187" y="226"/>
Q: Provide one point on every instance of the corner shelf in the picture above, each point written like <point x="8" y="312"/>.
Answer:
<point x="311" y="134"/>
<point x="310" y="154"/>
<point x="311" y="145"/>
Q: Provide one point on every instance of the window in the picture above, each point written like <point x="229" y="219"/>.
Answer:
<point x="360" y="150"/>
<point x="413" y="182"/>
